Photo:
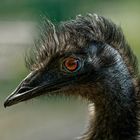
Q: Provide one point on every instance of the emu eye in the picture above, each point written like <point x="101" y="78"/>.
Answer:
<point x="71" y="64"/>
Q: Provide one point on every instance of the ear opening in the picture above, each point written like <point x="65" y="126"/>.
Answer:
<point x="95" y="48"/>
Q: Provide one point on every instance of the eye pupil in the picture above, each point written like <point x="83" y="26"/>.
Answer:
<point x="71" y="64"/>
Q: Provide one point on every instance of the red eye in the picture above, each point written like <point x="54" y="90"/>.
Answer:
<point x="71" y="64"/>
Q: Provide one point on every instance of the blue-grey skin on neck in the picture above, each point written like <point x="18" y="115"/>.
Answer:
<point x="115" y="107"/>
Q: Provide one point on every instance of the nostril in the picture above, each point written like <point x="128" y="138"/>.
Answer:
<point x="24" y="89"/>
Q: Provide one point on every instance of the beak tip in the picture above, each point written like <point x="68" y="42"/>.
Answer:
<point x="6" y="103"/>
<point x="5" y="106"/>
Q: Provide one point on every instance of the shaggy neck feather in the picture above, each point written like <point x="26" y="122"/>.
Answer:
<point x="115" y="113"/>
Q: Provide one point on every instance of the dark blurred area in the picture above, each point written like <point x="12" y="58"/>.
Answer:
<point x="52" y="118"/>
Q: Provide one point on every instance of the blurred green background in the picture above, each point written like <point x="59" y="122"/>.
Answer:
<point x="43" y="118"/>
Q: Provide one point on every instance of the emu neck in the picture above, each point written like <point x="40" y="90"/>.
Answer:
<point x="115" y="115"/>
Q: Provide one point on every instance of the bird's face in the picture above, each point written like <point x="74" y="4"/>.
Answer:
<point x="72" y="72"/>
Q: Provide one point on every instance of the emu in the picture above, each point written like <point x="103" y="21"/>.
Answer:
<point x="87" y="57"/>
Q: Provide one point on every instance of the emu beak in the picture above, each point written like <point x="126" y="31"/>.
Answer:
<point x="32" y="86"/>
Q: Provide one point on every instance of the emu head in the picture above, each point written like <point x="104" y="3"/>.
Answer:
<point x="77" y="58"/>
